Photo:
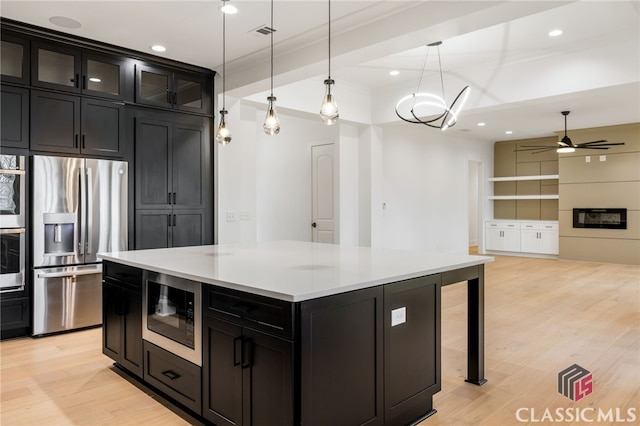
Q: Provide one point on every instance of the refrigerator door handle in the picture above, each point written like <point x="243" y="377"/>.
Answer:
<point x="88" y="210"/>
<point x="69" y="273"/>
<point x="81" y="201"/>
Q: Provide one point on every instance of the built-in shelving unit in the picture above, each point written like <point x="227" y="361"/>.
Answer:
<point x="523" y="197"/>
<point x="514" y="178"/>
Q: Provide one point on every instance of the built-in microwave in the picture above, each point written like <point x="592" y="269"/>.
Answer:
<point x="171" y="316"/>
<point x="12" y="191"/>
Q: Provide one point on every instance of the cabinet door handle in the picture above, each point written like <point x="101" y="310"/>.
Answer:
<point x="84" y="82"/>
<point x="174" y="198"/>
<point x="75" y="141"/>
<point x="235" y="350"/>
<point x="172" y="375"/>
<point x="174" y="220"/>
<point x="249" y="361"/>
<point x="168" y="221"/>
<point x="168" y="198"/>
<point x="77" y="81"/>
<point x="83" y="142"/>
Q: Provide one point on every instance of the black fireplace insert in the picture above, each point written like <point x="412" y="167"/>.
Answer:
<point x="600" y="218"/>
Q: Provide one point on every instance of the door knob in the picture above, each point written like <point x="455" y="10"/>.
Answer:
<point x="314" y="224"/>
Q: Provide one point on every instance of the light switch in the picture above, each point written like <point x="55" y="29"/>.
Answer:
<point x="231" y="216"/>
<point x="244" y="215"/>
<point x="587" y="159"/>
<point x="603" y="158"/>
<point x="398" y="316"/>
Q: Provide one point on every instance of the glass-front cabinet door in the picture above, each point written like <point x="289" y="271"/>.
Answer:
<point x="14" y="63"/>
<point x="55" y="67"/>
<point x="106" y="76"/>
<point x="162" y="87"/>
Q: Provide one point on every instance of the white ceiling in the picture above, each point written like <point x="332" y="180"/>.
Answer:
<point x="520" y="78"/>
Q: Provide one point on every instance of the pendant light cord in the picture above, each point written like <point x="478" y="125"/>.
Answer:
<point x="272" y="30"/>
<point x="329" y="40"/>
<point x="440" y="65"/>
<point x="224" y="70"/>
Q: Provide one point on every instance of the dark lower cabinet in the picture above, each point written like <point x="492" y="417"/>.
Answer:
<point x="342" y="359"/>
<point x="247" y="376"/>
<point x="162" y="228"/>
<point x="122" y="316"/>
<point x="14" y="317"/>
<point x="411" y="349"/>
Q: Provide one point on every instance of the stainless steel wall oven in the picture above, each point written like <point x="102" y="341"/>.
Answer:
<point x="171" y="315"/>
<point x="12" y="223"/>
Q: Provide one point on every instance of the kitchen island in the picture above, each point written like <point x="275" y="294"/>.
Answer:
<point x="293" y="332"/>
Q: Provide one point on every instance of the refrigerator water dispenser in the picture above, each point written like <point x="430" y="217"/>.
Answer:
<point x="59" y="229"/>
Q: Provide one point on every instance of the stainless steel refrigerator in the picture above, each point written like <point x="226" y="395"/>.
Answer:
<point x="79" y="209"/>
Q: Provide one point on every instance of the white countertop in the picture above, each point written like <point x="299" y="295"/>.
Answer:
<point x="293" y="270"/>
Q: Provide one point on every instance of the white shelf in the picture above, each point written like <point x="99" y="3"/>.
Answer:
<point x="515" y="178"/>
<point x="524" y="197"/>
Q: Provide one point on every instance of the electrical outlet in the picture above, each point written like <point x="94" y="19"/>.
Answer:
<point x="603" y="158"/>
<point x="231" y="216"/>
<point x="244" y="215"/>
<point x="587" y="159"/>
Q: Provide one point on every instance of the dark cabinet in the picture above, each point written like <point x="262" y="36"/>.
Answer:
<point x="342" y="359"/>
<point x="15" y="116"/>
<point x="248" y="376"/>
<point x="14" y="63"/>
<point x="173" y="182"/>
<point x="170" y="89"/>
<point x="73" y="125"/>
<point x="14" y="317"/>
<point x="122" y="316"/>
<point x="61" y="67"/>
<point x="411" y="348"/>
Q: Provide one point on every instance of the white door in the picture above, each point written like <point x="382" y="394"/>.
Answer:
<point x="322" y="209"/>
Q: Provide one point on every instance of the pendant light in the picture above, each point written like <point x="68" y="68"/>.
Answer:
<point x="329" y="109"/>
<point x="428" y="108"/>
<point x="271" y="124"/>
<point x="223" y="135"/>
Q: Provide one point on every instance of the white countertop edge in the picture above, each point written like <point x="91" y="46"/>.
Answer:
<point x="478" y="260"/>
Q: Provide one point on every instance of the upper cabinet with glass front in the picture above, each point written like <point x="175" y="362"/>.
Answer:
<point x="14" y="64"/>
<point x="56" y="66"/>
<point x="166" y="88"/>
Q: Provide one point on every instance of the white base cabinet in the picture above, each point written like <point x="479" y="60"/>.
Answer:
<point x="539" y="237"/>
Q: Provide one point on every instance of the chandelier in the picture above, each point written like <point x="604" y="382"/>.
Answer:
<point x="428" y="108"/>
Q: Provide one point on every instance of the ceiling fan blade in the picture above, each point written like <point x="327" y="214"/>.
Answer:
<point x="590" y="147"/>
<point x="535" y="148"/>
<point x="600" y="144"/>
<point x="589" y="143"/>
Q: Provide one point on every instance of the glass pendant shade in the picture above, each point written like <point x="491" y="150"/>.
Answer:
<point x="271" y="124"/>
<point x="223" y="135"/>
<point x="329" y="109"/>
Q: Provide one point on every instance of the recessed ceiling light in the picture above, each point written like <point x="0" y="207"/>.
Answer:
<point x="394" y="73"/>
<point x="508" y="132"/>
<point x="65" y="22"/>
<point x="555" y="33"/>
<point x="229" y="9"/>
<point x="482" y="124"/>
<point x="158" y="48"/>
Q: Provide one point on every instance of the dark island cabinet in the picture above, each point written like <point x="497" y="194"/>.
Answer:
<point x="173" y="180"/>
<point x="61" y="67"/>
<point x="122" y="316"/>
<point x="247" y="376"/>
<point x="73" y="125"/>
<point x="15" y="117"/>
<point x="164" y="87"/>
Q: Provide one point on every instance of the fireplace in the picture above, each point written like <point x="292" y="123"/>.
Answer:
<point x="600" y="218"/>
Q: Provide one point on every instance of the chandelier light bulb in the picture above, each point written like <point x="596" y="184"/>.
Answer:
<point x="271" y="124"/>
<point x="223" y="135"/>
<point x="329" y="109"/>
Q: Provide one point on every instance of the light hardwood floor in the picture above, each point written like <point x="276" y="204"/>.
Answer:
<point x="541" y="317"/>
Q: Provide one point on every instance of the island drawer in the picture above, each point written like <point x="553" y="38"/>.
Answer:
<point x="122" y="275"/>
<point x="262" y="313"/>
<point x="176" y="377"/>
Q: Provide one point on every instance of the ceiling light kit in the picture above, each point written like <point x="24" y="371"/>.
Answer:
<point x="428" y="108"/>
<point x="329" y="109"/>
<point x="565" y="145"/>
<point x="223" y="135"/>
<point x="271" y="124"/>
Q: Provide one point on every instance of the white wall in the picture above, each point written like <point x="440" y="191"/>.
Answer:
<point x="420" y="188"/>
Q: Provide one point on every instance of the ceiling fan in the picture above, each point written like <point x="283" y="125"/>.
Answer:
<point x="565" y="144"/>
